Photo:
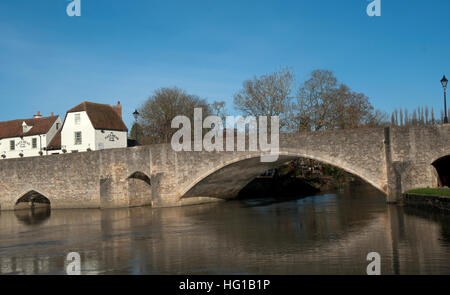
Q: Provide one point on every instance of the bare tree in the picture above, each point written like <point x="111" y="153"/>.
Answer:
<point x="401" y="117"/>
<point x="422" y="116"/>
<point x="267" y="95"/>
<point x="322" y="103"/>
<point x="218" y="109"/>
<point x="378" y="118"/>
<point x="419" y="118"/>
<point x="406" y="117"/>
<point x="164" y="105"/>
<point x="433" y="119"/>
<point x="314" y="101"/>
<point x="414" y="118"/>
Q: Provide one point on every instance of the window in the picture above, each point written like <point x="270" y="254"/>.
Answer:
<point x="34" y="143"/>
<point x="57" y="126"/>
<point x="78" y="139"/>
<point x="12" y="145"/>
<point x="77" y="119"/>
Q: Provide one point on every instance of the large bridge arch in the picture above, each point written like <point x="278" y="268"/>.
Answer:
<point x="251" y="168"/>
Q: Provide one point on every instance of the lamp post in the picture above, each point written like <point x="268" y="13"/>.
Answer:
<point x="444" y="83"/>
<point x="136" y="116"/>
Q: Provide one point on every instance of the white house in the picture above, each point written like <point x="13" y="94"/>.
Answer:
<point x="92" y="126"/>
<point x="28" y="137"/>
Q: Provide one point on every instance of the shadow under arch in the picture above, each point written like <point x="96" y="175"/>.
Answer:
<point x="139" y="189"/>
<point x="226" y="180"/>
<point x="140" y="175"/>
<point x="32" y="200"/>
<point x="442" y="166"/>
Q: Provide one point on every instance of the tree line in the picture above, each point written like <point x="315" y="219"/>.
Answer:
<point x="418" y="117"/>
<point x="319" y="103"/>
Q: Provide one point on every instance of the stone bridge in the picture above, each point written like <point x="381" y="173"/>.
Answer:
<point x="391" y="159"/>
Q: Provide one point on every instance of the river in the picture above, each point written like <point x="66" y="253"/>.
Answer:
<point x="325" y="234"/>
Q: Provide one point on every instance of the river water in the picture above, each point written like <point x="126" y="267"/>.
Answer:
<point x="325" y="234"/>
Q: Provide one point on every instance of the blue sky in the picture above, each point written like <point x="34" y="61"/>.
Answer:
<point x="124" y="50"/>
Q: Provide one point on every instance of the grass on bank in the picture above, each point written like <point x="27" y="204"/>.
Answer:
<point x="441" y="192"/>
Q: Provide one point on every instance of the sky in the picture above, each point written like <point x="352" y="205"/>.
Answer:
<point x="123" y="51"/>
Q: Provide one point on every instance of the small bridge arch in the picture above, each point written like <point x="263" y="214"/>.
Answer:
<point x="140" y="175"/>
<point x="32" y="199"/>
<point x="139" y="189"/>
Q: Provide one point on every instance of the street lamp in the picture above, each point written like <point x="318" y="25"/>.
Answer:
<point x="444" y="83"/>
<point x="136" y="116"/>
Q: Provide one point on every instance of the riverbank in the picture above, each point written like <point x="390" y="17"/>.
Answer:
<point x="428" y="198"/>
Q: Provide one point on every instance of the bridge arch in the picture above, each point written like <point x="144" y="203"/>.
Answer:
<point x="442" y="166"/>
<point x="284" y="156"/>
<point x="140" y="175"/>
<point x="32" y="199"/>
<point x="139" y="189"/>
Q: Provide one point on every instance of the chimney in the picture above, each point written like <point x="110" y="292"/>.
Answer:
<point x="38" y="115"/>
<point x="52" y="114"/>
<point x="118" y="109"/>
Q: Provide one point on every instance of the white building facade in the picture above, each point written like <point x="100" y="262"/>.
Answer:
<point x="28" y="137"/>
<point x="92" y="126"/>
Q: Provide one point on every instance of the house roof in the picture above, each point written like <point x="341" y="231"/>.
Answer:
<point x="102" y="116"/>
<point x="55" y="144"/>
<point x="14" y="128"/>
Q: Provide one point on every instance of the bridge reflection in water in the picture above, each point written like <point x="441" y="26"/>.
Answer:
<point x="327" y="234"/>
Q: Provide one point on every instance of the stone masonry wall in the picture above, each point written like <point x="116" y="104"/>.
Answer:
<point x="77" y="180"/>
<point x="392" y="160"/>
